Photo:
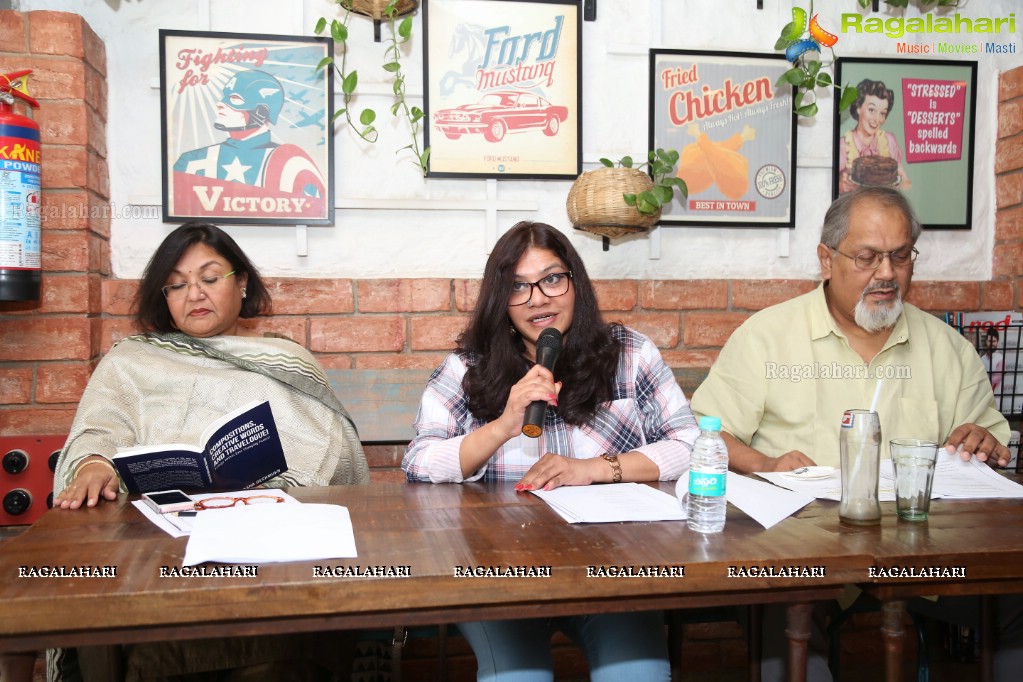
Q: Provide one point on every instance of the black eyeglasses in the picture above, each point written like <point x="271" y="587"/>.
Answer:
<point x="554" y="284"/>
<point x="871" y="260"/>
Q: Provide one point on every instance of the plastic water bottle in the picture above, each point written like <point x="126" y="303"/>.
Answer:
<point x="708" y="472"/>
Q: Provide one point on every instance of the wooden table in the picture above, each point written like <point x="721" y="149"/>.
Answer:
<point x="983" y="539"/>
<point x="431" y="529"/>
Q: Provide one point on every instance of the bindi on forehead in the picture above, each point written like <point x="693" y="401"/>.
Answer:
<point x="205" y="265"/>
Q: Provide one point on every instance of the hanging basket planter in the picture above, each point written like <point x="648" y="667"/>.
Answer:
<point x="375" y="8"/>
<point x="595" y="203"/>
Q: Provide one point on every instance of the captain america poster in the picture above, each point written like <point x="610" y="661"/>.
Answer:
<point x="246" y="128"/>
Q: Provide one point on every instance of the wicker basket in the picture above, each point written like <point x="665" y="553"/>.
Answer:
<point x="375" y="8"/>
<point x="595" y="202"/>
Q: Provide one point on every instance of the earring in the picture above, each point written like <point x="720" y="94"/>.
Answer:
<point x="511" y="329"/>
<point x="244" y="293"/>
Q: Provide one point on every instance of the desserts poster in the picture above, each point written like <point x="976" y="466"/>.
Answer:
<point x="919" y="113"/>
<point x="735" y="134"/>
<point x="935" y="110"/>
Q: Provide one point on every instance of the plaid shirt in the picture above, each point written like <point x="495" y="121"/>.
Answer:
<point x="648" y="414"/>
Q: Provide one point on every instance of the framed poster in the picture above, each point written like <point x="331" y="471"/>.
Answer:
<point x="246" y="132"/>
<point x="912" y="128"/>
<point x="503" y="90"/>
<point x="735" y="132"/>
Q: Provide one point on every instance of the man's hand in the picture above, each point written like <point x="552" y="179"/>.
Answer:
<point x="970" y="440"/>
<point x="743" y="459"/>
<point x="789" y="461"/>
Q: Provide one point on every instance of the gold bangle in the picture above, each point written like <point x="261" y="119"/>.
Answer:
<point x="616" y="467"/>
<point x="102" y="460"/>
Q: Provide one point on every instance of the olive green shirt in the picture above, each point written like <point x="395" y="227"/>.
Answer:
<point x="785" y="377"/>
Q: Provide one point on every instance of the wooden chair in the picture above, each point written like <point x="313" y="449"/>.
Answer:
<point x="679" y="618"/>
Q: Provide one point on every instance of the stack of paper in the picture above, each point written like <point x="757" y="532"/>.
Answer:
<point x="611" y="503"/>
<point x="953" y="478"/>
<point x="970" y="480"/>
<point x="269" y="533"/>
<point x="259" y="533"/>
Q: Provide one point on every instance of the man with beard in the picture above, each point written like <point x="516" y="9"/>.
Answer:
<point x="785" y="376"/>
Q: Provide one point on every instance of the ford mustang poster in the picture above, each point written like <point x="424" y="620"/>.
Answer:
<point x="503" y="96"/>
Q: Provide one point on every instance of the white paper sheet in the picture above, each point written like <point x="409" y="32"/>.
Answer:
<point x="178" y="525"/>
<point x="970" y="480"/>
<point x="269" y="533"/>
<point x="764" y="503"/>
<point x="953" y="479"/>
<point x="827" y="488"/>
<point x="612" y="503"/>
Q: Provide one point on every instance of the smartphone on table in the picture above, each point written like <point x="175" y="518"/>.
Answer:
<point x="169" y="501"/>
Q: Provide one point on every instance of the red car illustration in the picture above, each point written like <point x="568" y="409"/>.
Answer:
<point x="498" y="113"/>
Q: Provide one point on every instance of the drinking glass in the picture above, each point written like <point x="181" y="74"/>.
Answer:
<point x="914" y="475"/>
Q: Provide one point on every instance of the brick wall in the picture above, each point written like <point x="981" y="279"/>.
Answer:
<point x="50" y="347"/>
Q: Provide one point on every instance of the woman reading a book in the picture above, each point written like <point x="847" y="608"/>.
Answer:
<point x="195" y="362"/>
<point x="614" y="414"/>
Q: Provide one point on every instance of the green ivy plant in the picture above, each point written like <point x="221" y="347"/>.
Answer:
<point x="400" y="32"/>
<point x="662" y="169"/>
<point x="810" y="72"/>
<point x="349" y="79"/>
<point x="413" y="115"/>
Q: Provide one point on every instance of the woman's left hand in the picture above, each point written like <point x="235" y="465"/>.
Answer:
<point x="553" y="471"/>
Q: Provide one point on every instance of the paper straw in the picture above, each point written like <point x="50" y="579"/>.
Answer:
<point x="877" y="394"/>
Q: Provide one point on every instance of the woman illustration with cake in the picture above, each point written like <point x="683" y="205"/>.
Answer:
<point x="869" y="155"/>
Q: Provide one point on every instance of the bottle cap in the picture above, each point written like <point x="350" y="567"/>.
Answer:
<point x="710" y="423"/>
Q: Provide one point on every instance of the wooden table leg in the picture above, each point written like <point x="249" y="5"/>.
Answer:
<point x="988" y="637"/>
<point x="894" y="634"/>
<point x="799" y="619"/>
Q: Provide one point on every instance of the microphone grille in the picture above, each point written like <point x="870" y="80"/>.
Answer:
<point x="549" y="338"/>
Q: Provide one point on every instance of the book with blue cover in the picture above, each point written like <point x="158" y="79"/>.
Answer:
<point x="240" y="450"/>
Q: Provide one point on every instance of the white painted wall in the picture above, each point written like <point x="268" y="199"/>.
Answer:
<point x="411" y="242"/>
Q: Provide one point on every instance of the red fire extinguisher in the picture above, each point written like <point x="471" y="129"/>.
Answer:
<point x="20" y="274"/>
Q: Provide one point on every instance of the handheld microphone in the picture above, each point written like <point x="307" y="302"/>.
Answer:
<point x="548" y="347"/>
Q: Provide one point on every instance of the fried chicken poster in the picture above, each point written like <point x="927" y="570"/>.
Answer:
<point x="735" y="134"/>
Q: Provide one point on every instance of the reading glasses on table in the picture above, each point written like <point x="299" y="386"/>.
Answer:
<point x="225" y="502"/>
